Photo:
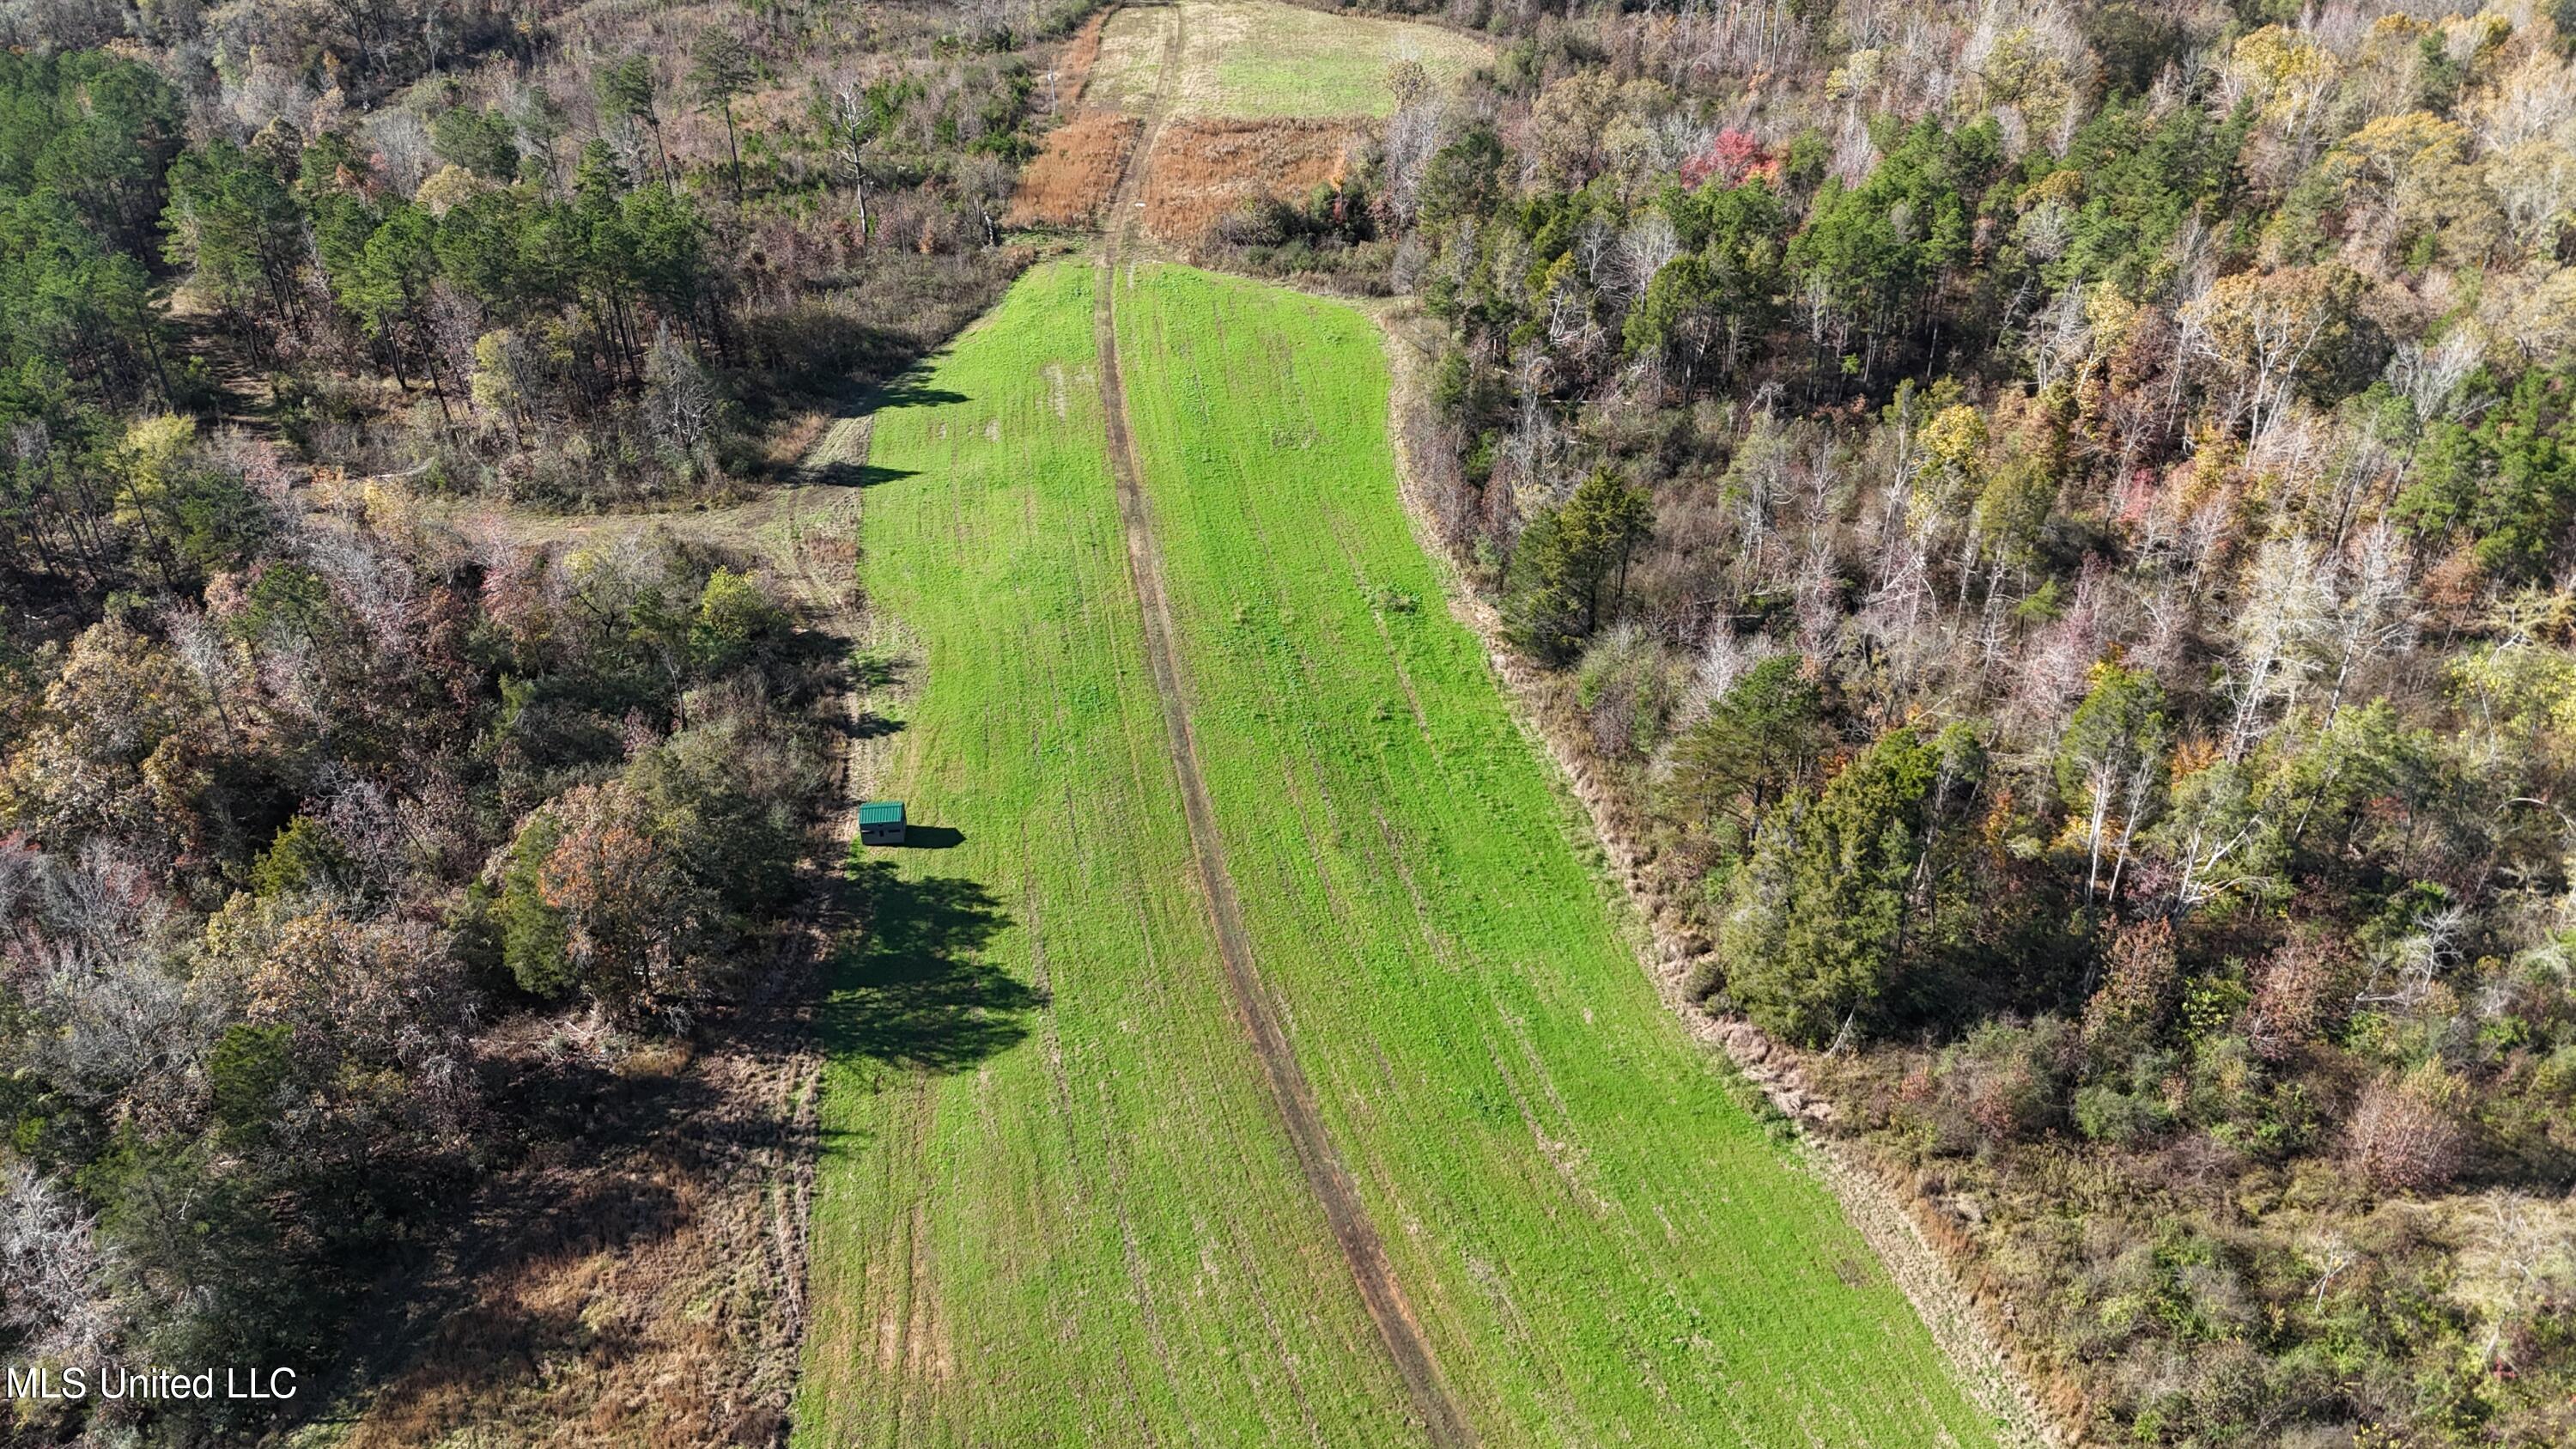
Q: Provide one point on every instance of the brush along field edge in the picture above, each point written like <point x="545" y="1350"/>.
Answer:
<point x="1599" y="1242"/>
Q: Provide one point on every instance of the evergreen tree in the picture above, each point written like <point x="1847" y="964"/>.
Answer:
<point x="1571" y="555"/>
<point x="481" y="140"/>
<point x="722" y="71"/>
<point x="630" y="92"/>
<point x="1464" y="178"/>
<point x="232" y="219"/>
<point x="1757" y="743"/>
<point x="1814" y="939"/>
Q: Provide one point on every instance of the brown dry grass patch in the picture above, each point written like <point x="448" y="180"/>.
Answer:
<point x="1067" y="183"/>
<point x="638" y="1285"/>
<point x="1203" y="170"/>
<point x="1073" y="68"/>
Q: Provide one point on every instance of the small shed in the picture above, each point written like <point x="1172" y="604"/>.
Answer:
<point x="880" y="822"/>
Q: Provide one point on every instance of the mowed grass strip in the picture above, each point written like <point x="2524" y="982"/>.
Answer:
<point x="1264" y="59"/>
<point x="1054" y="1206"/>
<point x="1602" y="1244"/>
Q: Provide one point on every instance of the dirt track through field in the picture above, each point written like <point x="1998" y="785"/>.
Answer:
<point x="1289" y="1089"/>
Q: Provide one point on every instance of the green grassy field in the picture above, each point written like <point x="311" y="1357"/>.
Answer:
<point x="1055" y="1205"/>
<point x="1259" y="59"/>
<point x="1602" y="1244"/>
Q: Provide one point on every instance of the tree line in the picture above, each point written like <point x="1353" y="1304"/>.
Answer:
<point x="352" y="830"/>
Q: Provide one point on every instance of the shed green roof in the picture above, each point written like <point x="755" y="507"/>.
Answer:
<point x="881" y="812"/>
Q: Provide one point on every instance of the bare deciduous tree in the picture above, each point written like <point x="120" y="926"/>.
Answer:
<point x="2278" y="621"/>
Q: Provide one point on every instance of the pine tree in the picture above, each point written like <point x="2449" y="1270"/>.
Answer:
<point x="1814" y="941"/>
<point x="724" y="69"/>
<point x="629" y="91"/>
<point x="1757" y="743"/>
<point x="1570" y="555"/>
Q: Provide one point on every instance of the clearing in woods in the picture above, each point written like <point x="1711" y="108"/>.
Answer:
<point x="1067" y="183"/>
<point x="1263" y="59"/>
<point x="1063" y="1198"/>
<point x="1054" y="1203"/>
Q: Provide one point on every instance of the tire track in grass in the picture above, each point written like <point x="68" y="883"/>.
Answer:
<point x="1294" y="1096"/>
<point x="1330" y="1181"/>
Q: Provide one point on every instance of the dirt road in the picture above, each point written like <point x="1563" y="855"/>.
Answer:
<point x="1289" y="1089"/>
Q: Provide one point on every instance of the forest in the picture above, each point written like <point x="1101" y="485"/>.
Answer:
<point x="354" y="829"/>
<point x="2057" y="522"/>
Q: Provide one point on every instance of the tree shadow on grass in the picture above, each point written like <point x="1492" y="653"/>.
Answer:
<point x="912" y="991"/>
<point x="858" y="475"/>
<point x="909" y="391"/>
<point x="867" y="724"/>
<point x="873" y="670"/>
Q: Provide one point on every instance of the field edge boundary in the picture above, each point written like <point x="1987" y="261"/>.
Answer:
<point x="1989" y="1366"/>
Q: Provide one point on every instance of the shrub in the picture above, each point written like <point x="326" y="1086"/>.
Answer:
<point x="304" y="857"/>
<point x="2403" y="1134"/>
<point x="2137" y="991"/>
<point x="2291" y="996"/>
<point x="534" y="944"/>
<point x="2130" y="1106"/>
<point x="2008" y="1081"/>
